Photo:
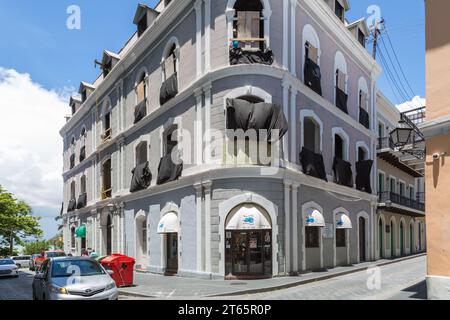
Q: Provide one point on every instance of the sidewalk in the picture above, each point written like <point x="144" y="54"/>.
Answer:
<point x="161" y="287"/>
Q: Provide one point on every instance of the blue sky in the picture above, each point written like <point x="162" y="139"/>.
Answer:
<point x="39" y="54"/>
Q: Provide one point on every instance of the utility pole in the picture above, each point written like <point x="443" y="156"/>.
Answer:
<point x="376" y="33"/>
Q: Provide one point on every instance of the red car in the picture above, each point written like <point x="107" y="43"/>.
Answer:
<point x="39" y="260"/>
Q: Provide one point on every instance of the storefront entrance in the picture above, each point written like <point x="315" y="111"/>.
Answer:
<point x="248" y="243"/>
<point x="172" y="253"/>
<point x="250" y="253"/>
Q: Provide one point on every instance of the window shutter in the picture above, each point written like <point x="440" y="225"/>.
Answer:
<point x="313" y="53"/>
<point x="242" y="31"/>
<point x="341" y="80"/>
<point x="140" y="90"/>
<point x="169" y="65"/>
<point x="363" y="101"/>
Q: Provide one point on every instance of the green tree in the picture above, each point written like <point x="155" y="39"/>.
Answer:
<point x="35" y="247"/>
<point x="16" y="221"/>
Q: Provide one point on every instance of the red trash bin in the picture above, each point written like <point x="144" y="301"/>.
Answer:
<point x="123" y="267"/>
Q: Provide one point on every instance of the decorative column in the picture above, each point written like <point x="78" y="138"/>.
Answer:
<point x="207" y="185"/>
<point x="207" y="119"/>
<point x="198" y="36"/>
<point x="207" y="36"/>
<point x="286" y="85"/>
<point x="287" y="226"/>
<point x="198" y="127"/>
<point x="285" y="34"/>
<point x="120" y="171"/>
<point x="293" y="36"/>
<point x="293" y="125"/>
<point x="199" y="232"/>
<point x="295" y="239"/>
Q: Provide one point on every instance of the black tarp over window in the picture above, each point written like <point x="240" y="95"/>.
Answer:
<point x="169" y="89"/>
<point x="168" y="170"/>
<point x="313" y="76"/>
<point x="363" y="170"/>
<point x="140" y="111"/>
<point x="364" y="118"/>
<point x="72" y="205"/>
<point x="240" y="56"/>
<point x="82" y="201"/>
<point x="343" y="174"/>
<point x="313" y="164"/>
<point x="341" y="100"/>
<point x="245" y="115"/>
<point x="142" y="177"/>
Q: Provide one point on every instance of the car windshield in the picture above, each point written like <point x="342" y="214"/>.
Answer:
<point x="83" y="268"/>
<point x="6" y="262"/>
<point x="55" y="254"/>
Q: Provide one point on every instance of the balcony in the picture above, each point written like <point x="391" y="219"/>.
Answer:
<point x="407" y="163"/>
<point x="250" y="51"/>
<point x="401" y="204"/>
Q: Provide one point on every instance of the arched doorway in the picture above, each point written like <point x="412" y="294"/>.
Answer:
<point x="169" y="227"/>
<point x="420" y="236"/>
<point x="248" y="243"/>
<point x="411" y="239"/>
<point x="402" y="239"/>
<point x="380" y="239"/>
<point x="109" y="227"/>
<point x="362" y="239"/>
<point x="141" y="241"/>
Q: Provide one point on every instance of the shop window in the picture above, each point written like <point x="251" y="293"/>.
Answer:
<point x="312" y="235"/>
<point x="106" y="180"/>
<point x="341" y="239"/>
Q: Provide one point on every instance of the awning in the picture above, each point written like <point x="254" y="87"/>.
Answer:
<point x="343" y="221"/>
<point x="168" y="224"/>
<point x="249" y="217"/>
<point x="80" y="232"/>
<point x="314" y="218"/>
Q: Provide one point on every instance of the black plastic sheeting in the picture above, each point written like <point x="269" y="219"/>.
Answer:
<point x="240" y="56"/>
<point x="140" y="111"/>
<point x="169" y="89"/>
<point x="343" y="174"/>
<point x="82" y="154"/>
<point x="142" y="177"/>
<point x="72" y="205"/>
<point x="168" y="170"/>
<point x="82" y="201"/>
<point x="313" y="164"/>
<point x="313" y="76"/>
<point x="245" y="115"/>
<point x="363" y="170"/>
<point x="364" y="118"/>
<point x="341" y="100"/>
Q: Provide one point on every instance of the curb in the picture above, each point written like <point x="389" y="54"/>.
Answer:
<point x="288" y="285"/>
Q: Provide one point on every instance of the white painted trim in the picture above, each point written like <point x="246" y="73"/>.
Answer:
<point x="207" y="36"/>
<point x="287" y="226"/>
<point x="345" y="138"/>
<point x="198" y="36"/>
<point x="293" y="126"/>
<point x="293" y="37"/>
<point x="366" y="216"/>
<point x="347" y="240"/>
<point x="285" y="34"/>
<point x="295" y="236"/>
<point x="305" y="207"/>
<point x="307" y="113"/>
<point x="225" y="208"/>
<point x="362" y="144"/>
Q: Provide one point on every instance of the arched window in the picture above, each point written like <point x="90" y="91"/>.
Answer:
<point x="362" y="154"/>
<point x="248" y="24"/>
<point x="72" y="190"/>
<point x="340" y="67"/>
<point x="170" y="63"/>
<point x="311" y="134"/>
<point x="340" y="144"/>
<point x="363" y="103"/>
<point x="170" y="139"/>
<point x="311" y="57"/>
<point x="141" y="88"/>
<point x="106" y="180"/>
<point x="141" y="153"/>
<point x="83" y="184"/>
<point x="106" y="120"/>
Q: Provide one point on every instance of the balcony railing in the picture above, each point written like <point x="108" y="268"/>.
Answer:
<point x="106" y="136"/>
<point x="387" y="196"/>
<point x="385" y="143"/>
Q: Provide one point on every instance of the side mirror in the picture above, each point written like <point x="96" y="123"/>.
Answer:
<point x="110" y="272"/>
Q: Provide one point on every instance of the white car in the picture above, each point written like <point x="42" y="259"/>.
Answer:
<point x="8" y="268"/>
<point x="22" y="261"/>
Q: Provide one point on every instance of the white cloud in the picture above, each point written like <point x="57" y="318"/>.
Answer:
<point x="416" y="102"/>
<point x="30" y="145"/>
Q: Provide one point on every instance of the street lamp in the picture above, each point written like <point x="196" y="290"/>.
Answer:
<point x="400" y="137"/>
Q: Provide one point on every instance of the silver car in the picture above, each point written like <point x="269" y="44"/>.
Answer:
<point x="22" y="261"/>
<point x="73" y="278"/>
<point x="8" y="268"/>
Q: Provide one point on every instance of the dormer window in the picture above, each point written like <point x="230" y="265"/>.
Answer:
<point x="83" y="95"/>
<point x="361" y="38"/>
<point x="142" y="25"/>
<point x="73" y="109"/>
<point x="339" y="10"/>
<point x="107" y="67"/>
